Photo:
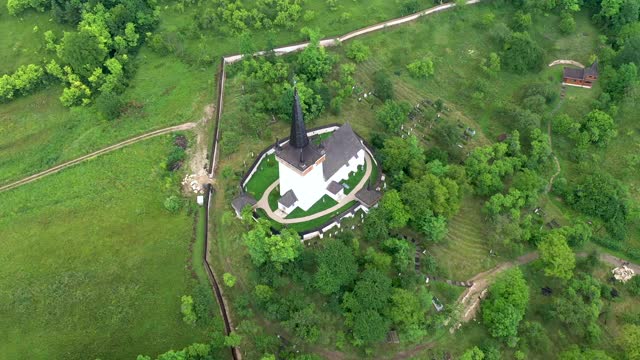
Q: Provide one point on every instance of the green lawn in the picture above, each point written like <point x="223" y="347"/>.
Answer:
<point x="22" y="40"/>
<point x="465" y="250"/>
<point x="37" y="132"/>
<point x="326" y="202"/>
<point x="354" y="179"/>
<point x="308" y="225"/>
<point x="93" y="265"/>
<point x="265" y="175"/>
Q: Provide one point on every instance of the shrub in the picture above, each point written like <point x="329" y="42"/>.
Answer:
<point x="186" y="308"/>
<point x="634" y="285"/>
<point x="358" y="52"/>
<point x="109" y="105"/>
<point x="175" y="158"/>
<point x="382" y="86"/>
<point x="421" y="68"/>
<point x="172" y="204"/>
<point x="567" y="24"/>
<point x="229" y="279"/>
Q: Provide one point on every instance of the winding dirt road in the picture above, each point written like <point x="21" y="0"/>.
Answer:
<point x="55" y="169"/>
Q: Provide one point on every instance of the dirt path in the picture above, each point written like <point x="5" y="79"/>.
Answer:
<point x="55" y="169"/>
<point x="555" y="158"/>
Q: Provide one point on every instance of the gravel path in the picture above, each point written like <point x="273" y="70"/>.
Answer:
<point x="263" y="203"/>
<point x="94" y="154"/>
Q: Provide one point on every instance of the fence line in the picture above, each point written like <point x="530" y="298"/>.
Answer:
<point x="213" y="156"/>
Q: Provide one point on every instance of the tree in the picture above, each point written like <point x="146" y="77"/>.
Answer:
<point x="402" y="251"/>
<point x="357" y="51"/>
<point x="504" y="307"/>
<point x="407" y="311"/>
<point x="395" y="211"/>
<point x="401" y="156"/>
<point x="109" y="105"/>
<point x="382" y="86"/>
<point x="579" y="306"/>
<point x="422" y="68"/>
<point x="369" y="327"/>
<point x="393" y="115"/>
<point x="473" y="354"/>
<point x="521" y="53"/>
<point x="630" y="52"/>
<point x="186" y="308"/>
<point x="337" y="267"/>
<point x="83" y="51"/>
<point x="311" y="102"/>
<point x="434" y="227"/>
<point x="629" y="340"/>
<point x="578" y="234"/>
<point x="491" y="66"/>
<point x="618" y="82"/>
<point x="313" y="61"/>
<point x="276" y="249"/>
<point x="431" y="196"/>
<point x="602" y="195"/>
<point x="574" y="353"/>
<point x="567" y="23"/>
<point x="371" y="291"/>
<point x="600" y="127"/>
<point x="229" y="279"/>
<point x="233" y="339"/>
<point x="556" y="256"/>
<point x="304" y="323"/>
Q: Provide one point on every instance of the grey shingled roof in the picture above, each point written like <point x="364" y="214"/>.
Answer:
<point x="334" y="187"/>
<point x="298" y="137"/>
<point x="288" y="199"/>
<point x="299" y="158"/>
<point x="368" y="197"/>
<point x="340" y="147"/>
<point x="241" y="201"/>
<point x="573" y="73"/>
<point x="592" y="70"/>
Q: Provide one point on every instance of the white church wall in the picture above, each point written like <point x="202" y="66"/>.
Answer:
<point x="343" y="172"/>
<point x="308" y="188"/>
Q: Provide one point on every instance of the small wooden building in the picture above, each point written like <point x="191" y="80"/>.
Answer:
<point x="580" y="77"/>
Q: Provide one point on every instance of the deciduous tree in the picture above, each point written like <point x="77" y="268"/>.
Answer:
<point x="556" y="255"/>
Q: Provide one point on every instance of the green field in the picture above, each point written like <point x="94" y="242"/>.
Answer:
<point x="93" y="265"/>
<point x="23" y="42"/>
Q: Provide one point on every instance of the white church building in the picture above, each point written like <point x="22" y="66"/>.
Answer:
<point x="309" y="171"/>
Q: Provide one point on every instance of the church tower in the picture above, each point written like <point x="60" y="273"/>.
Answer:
<point x="302" y="182"/>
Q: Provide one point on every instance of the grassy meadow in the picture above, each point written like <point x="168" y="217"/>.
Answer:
<point x="93" y="266"/>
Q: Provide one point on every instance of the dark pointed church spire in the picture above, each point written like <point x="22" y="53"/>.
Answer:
<point x="298" y="138"/>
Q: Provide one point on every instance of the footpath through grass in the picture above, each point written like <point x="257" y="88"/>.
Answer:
<point x="92" y="264"/>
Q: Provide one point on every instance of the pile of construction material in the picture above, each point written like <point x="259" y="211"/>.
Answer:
<point x="190" y="182"/>
<point x="623" y="273"/>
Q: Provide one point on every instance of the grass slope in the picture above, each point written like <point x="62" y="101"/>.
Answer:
<point x="92" y="264"/>
<point x="37" y="132"/>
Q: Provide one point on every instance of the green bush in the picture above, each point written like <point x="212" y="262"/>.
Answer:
<point x="109" y="105"/>
<point x="633" y="285"/>
<point x="382" y="86"/>
<point x="357" y="51"/>
<point x="421" y="68"/>
<point x="186" y="308"/>
<point x="172" y="204"/>
<point x="229" y="279"/>
<point x="567" y="24"/>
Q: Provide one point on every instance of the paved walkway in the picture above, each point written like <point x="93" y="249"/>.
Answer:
<point x="108" y="149"/>
<point x="263" y="203"/>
